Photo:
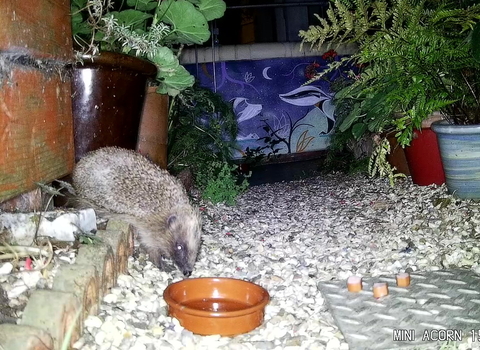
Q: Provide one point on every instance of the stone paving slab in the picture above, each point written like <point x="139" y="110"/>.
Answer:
<point x="437" y="306"/>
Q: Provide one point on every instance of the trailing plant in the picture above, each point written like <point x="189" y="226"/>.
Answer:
<point x="253" y="156"/>
<point x="218" y="183"/>
<point x="379" y="165"/>
<point x="416" y="58"/>
<point x="202" y="129"/>
<point x="155" y="30"/>
<point x="345" y="153"/>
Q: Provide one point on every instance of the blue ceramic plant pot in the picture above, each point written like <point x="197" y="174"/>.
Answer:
<point x="460" y="152"/>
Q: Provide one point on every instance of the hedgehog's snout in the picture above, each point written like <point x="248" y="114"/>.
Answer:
<point x="181" y="259"/>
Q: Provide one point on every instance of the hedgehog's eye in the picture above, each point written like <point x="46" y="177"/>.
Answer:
<point x="179" y="247"/>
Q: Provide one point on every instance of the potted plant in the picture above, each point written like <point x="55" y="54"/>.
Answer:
<point x="459" y="134"/>
<point x="151" y="30"/>
<point x="410" y="54"/>
<point x="202" y="137"/>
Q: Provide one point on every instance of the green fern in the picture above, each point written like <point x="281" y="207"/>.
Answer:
<point x="218" y="183"/>
<point x="414" y="52"/>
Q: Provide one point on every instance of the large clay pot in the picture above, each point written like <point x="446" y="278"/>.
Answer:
<point x="460" y="152"/>
<point x="153" y="135"/>
<point x="423" y="158"/>
<point x="396" y="157"/>
<point x="108" y="92"/>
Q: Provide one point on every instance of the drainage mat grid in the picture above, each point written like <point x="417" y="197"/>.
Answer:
<point x="437" y="306"/>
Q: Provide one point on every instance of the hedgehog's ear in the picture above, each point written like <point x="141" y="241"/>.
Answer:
<point x="171" y="220"/>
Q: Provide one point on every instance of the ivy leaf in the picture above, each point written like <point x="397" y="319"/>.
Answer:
<point x="351" y="118"/>
<point x="143" y="5"/>
<point x="172" y="77"/>
<point x="130" y="18"/>
<point x="79" y="4"/>
<point x="189" y="25"/>
<point x="212" y="9"/>
<point x="358" y="130"/>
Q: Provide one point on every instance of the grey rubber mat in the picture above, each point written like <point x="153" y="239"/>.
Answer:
<point x="437" y="306"/>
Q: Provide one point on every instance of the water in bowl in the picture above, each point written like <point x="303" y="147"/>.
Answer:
<point x="215" y="305"/>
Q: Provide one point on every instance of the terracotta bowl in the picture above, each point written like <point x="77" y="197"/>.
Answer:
<point x="224" y="306"/>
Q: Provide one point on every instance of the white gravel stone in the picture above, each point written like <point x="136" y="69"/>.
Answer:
<point x="30" y="278"/>
<point x="16" y="291"/>
<point x="333" y="344"/>
<point x="6" y="268"/>
<point x="287" y="237"/>
<point x="139" y="346"/>
<point x="100" y="337"/>
<point x="93" y="322"/>
<point x="110" y="298"/>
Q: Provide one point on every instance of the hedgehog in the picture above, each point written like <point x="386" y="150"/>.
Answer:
<point x="126" y="184"/>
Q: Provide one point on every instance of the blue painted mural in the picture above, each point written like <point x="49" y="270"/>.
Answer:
<point x="275" y="112"/>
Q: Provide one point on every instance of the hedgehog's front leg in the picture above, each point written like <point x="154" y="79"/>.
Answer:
<point x="159" y="260"/>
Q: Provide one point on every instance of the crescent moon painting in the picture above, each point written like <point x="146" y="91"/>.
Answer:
<point x="277" y="113"/>
<point x="265" y="73"/>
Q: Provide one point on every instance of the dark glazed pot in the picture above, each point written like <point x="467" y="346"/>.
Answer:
<point x="108" y="93"/>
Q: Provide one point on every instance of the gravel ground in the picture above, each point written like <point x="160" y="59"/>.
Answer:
<point x="287" y="237"/>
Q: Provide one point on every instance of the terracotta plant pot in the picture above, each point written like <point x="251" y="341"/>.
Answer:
<point x="108" y="94"/>
<point x="153" y="135"/>
<point x="423" y="157"/>
<point x="396" y="157"/>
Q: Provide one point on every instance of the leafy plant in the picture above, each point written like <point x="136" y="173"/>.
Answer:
<point x="253" y="156"/>
<point x="202" y="136"/>
<point x="219" y="184"/>
<point x="416" y="58"/>
<point x="202" y="129"/>
<point x="155" y="30"/>
<point x="345" y="153"/>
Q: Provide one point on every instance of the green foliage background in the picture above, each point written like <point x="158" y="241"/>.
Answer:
<point x="416" y="58"/>
<point x="202" y="136"/>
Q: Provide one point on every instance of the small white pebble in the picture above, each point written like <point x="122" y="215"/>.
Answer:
<point x="333" y="344"/>
<point x="79" y="344"/>
<point x="16" y="291"/>
<point x="157" y="331"/>
<point x="138" y="346"/>
<point x="6" y="268"/>
<point x="93" y="322"/>
<point x="110" y="298"/>
<point x="100" y="337"/>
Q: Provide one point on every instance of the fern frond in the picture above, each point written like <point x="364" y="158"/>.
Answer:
<point x="379" y="165"/>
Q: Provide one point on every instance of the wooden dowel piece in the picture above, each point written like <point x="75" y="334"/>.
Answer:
<point x="83" y="281"/>
<point x="57" y="313"/>
<point x="102" y="258"/>
<point x="16" y="337"/>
